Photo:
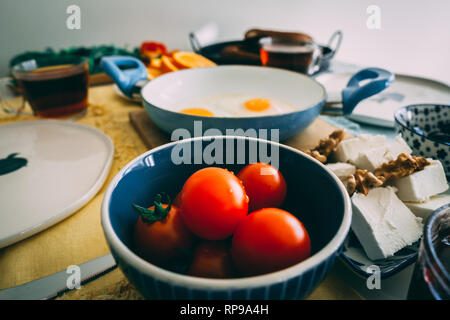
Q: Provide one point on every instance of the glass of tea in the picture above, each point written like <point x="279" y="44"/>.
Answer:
<point x="431" y="276"/>
<point x="54" y="87"/>
<point x="292" y="54"/>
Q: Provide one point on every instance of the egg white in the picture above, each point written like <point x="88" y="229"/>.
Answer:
<point x="232" y="105"/>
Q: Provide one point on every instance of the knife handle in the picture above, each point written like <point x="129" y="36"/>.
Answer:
<point x="125" y="71"/>
<point x="354" y="93"/>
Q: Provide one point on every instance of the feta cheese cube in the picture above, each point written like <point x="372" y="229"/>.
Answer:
<point x="397" y="146"/>
<point x="424" y="209"/>
<point x="382" y="223"/>
<point x="342" y="169"/>
<point x="349" y="149"/>
<point x="373" y="158"/>
<point x="421" y="185"/>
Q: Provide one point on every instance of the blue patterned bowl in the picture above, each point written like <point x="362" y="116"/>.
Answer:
<point x="315" y="196"/>
<point x="426" y="129"/>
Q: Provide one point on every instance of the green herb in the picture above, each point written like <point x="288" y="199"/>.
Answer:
<point x="93" y="54"/>
<point x="158" y="213"/>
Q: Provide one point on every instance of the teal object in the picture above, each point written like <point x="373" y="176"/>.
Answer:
<point x="125" y="71"/>
<point x="354" y="93"/>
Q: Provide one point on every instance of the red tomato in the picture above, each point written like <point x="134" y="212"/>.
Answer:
<point x="161" y="241"/>
<point x="264" y="184"/>
<point x="212" y="259"/>
<point x="177" y="201"/>
<point x="268" y="240"/>
<point x="213" y="203"/>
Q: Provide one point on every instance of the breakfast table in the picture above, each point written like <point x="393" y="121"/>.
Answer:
<point x="80" y="238"/>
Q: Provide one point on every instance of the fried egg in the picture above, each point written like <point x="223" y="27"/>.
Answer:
<point x="233" y="105"/>
<point x="198" y="112"/>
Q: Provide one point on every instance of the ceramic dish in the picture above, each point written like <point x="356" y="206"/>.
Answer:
<point x="354" y="256"/>
<point x="419" y="123"/>
<point x="162" y="95"/>
<point x="48" y="170"/>
<point x="309" y="183"/>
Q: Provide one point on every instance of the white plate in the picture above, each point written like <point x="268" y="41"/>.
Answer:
<point x="67" y="163"/>
<point x="379" y="109"/>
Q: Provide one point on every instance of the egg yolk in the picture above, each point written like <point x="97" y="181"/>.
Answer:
<point x="198" y="112"/>
<point x="257" y="104"/>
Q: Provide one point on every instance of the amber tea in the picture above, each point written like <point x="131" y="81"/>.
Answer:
<point x="288" y="54"/>
<point x="56" y="90"/>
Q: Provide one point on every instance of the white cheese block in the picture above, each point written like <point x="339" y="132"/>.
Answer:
<point x="397" y="146"/>
<point x="342" y="169"/>
<point x="349" y="149"/>
<point x="373" y="158"/>
<point x="382" y="223"/>
<point x="424" y="209"/>
<point x="421" y="185"/>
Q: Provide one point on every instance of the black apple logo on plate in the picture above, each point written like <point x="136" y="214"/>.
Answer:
<point x="11" y="163"/>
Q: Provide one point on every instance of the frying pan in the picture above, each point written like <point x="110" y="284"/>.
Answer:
<point x="214" y="51"/>
<point x="161" y="95"/>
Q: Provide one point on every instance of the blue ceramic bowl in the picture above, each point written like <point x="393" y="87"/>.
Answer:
<point x="420" y="125"/>
<point x="315" y="195"/>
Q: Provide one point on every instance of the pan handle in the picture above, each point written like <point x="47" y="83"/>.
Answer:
<point x="133" y="72"/>
<point x="335" y="37"/>
<point x="195" y="44"/>
<point x="379" y="79"/>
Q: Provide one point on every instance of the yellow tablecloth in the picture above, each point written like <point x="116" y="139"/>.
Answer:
<point x="80" y="237"/>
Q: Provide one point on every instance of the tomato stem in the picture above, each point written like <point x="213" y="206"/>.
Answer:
<point x="158" y="213"/>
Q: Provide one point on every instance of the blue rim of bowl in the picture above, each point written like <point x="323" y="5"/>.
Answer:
<point x="224" y="284"/>
<point x="399" y="121"/>
<point x="315" y="105"/>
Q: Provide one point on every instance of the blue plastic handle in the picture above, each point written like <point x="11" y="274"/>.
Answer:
<point x="354" y="93"/>
<point x="133" y="71"/>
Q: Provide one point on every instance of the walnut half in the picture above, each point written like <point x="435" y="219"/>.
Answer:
<point x="362" y="181"/>
<point x="327" y="146"/>
<point x="403" y="166"/>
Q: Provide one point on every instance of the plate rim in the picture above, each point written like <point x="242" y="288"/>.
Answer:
<point x="363" y="274"/>
<point x="76" y="205"/>
<point x="364" y="119"/>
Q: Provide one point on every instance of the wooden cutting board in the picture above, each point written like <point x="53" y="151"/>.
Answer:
<point x="154" y="137"/>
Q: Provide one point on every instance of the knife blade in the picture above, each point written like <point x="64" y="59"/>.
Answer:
<point x="55" y="284"/>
